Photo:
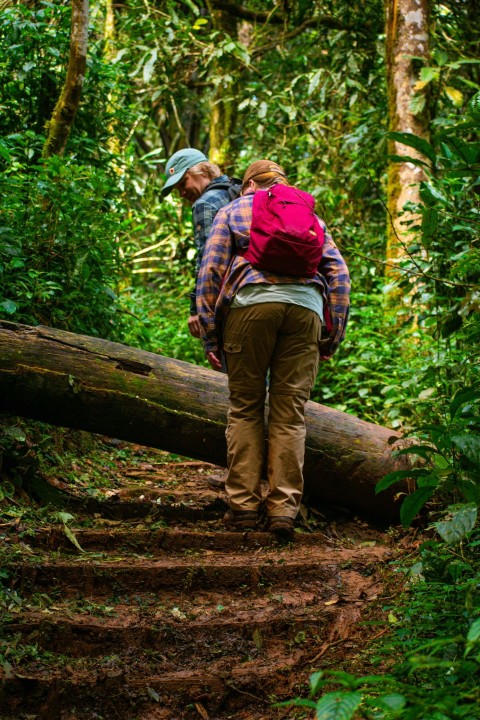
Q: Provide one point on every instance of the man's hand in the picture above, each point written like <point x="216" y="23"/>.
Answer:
<point x="195" y="326"/>
<point x="214" y="361"/>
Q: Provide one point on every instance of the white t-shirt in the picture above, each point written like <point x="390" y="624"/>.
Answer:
<point x="307" y="296"/>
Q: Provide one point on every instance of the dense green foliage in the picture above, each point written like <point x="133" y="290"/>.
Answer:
<point x="86" y="244"/>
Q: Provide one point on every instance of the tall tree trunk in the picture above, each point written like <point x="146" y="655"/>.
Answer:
<point x="61" y="122"/>
<point x="223" y="116"/>
<point x="104" y="387"/>
<point x="407" y="32"/>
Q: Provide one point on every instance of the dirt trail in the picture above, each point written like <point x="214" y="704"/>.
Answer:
<point x="147" y="609"/>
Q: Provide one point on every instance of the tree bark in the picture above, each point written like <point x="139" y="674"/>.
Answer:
<point x="104" y="387"/>
<point x="407" y="33"/>
<point x="61" y="122"/>
<point x="223" y="116"/>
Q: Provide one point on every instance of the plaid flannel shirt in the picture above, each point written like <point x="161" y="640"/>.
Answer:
<point x="224" y="271"/>
<point x="203" y="213"/>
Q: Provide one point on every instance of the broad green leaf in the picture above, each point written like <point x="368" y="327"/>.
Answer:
<point x="430" y="195"/>
<point x="15" y="432"/>
<point x="469" y="445"/>
<point x="461" y="397"/>
<point x="424" y="451"/>
<point x="459" y="525"/>
<point x="473" y="636"/>
<point x="64" y="517"/>
<point x="413" y="504"/>
<point x="416" y="142"/>
<point x="398" y="475"/>
<point x="427" y="74"/>
<point x="338" y="705"/>
<point x="395" y="701"/>
<point x="469" y="152"/>
<point x="408" y="158"/>
<point x="9" y="306"/>
<point x="429" y="222"/>
<point x="440" y="57"/>
<point x="4" y="151"/>
<point x="316" y="681"/>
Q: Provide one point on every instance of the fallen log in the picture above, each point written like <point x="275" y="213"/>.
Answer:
<point x="104" y="387"/>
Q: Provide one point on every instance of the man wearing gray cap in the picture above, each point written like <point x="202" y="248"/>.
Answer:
<point x="202" y="184"/>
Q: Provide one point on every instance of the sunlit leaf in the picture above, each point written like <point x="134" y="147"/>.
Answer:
<point x="149" y="66"/>
<point x="71" y="536"/>
<point x="427" y="74"/>
<point x="454" y="95"/>
<point x="314" y="81"/>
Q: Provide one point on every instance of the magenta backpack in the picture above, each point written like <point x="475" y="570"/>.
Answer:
<point x="285" y="236"/>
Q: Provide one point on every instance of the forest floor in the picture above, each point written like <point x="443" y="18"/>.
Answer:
<point x="134" y="602"/>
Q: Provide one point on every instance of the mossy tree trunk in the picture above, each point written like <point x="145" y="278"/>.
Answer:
<point x="104" y="387"/>
<point x="223" y="116"/>
<point x="407" y="33"/>
<point x="61" y="122"/>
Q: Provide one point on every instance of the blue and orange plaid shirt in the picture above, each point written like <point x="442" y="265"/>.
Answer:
<point x="224" y="271"/>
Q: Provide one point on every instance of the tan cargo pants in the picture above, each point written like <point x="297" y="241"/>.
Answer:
<point x="283" y="339"/>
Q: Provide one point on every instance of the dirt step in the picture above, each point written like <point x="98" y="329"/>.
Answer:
<point x="114" y="692"/>
<point x="171" y="540"/>
<point x="127" y="574"/>
<point x="78" y="636"/>
<point x="153" y="576"/>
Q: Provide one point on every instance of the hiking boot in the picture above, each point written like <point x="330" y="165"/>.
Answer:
<point x="282" y="526"/>
<point x="241" y="519"/>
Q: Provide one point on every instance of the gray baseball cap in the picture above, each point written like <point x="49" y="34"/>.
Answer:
<point x="177" y="166"/>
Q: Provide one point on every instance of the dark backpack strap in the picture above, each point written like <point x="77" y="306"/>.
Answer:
<point x="232" y="186"/>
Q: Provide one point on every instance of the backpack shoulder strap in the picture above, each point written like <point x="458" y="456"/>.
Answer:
<point x="232" y="185"/>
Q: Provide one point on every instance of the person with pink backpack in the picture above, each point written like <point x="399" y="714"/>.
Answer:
<point x="273" y="299"/>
